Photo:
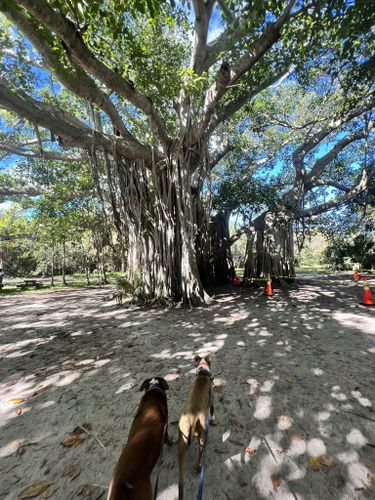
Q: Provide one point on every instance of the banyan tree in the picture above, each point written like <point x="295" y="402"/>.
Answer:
<point x="143" y="92"/>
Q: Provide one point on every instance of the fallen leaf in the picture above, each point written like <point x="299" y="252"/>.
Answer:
<point x="314" y="463"/>
<point x="233" y="421"/>
<point x="326" y="461"/>
<point x="73" y="441"/>
<point x="276" y="481"/>
<point x="90" y="490"/>
<point x="72" y="471"/>
<point x="18" y="411"/>
<point x="15" y="401"/>
<point x="20" y="451"/>
<point x="77" y="431"/>
<point x="34" y="490"/>
<point x="279" y="451"/>
<point x="51" y="492"/>
<point x="289" y="380"/>
<point x="296" y="437"/>
<point x="243" y="484"/>
<point x="251" y="451"/>
<point x="349" y="375"/>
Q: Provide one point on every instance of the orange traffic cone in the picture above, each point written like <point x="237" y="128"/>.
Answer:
<point x="268" y="288"/>
<point x="367" y="299"/>
<point x="355" y="276"/>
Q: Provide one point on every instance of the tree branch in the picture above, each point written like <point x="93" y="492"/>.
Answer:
<point x="219" y="155"/>
<point x="203" y="12"/>
<point x="232" y="107"/>
<point x="67" y="126"/>
<point x="23" y="191"/>
<point x="228" y="76"/>
<point x="300" y="153"/>
<point x="82" y="56"/>
<point x="313" y="176"/>
<point x="330" y="182"/>
<point x="342" y="200"/>
<point x="46" y="154"/>
<point x="74" y="79"/>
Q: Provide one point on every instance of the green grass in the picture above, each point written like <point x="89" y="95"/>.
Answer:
<point x="74" y="281"/>
<point x="314" y="268"/>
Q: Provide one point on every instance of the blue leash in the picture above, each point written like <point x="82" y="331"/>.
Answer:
<point x="201" y="476"/>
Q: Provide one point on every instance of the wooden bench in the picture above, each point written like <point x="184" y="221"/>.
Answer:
<point x="25" y="284"/>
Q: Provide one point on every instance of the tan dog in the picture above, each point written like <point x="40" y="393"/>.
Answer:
<point x="131" y="476"/>
<point x="198" y="406"/>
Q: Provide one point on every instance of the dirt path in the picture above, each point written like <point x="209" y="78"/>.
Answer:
<point x="294" y="377"/>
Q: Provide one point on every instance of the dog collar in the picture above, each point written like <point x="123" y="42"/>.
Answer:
<point x="153" y="387"/>
<point x="204" y="371"/>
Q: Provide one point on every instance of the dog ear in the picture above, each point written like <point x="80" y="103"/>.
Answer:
<point x="197" y="359"/>
<point x="163" y="383"/>
<point x="145" y="384"/>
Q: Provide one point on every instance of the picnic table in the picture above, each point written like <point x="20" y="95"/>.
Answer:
<point x="27" y="283"/>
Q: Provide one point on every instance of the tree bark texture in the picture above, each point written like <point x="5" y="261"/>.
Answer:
<point x="157" y="215"/>
<point x="270" y="250"/>
<point x="221" y="263"/>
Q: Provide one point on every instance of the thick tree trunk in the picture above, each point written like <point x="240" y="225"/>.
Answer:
<point x="161" y="219"/>
<point x="250" y="264"/>
<point x="274" y="252"/>
<point x="222" y="269"/>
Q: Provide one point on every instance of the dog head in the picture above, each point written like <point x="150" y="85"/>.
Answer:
<point x="155" y="381"/>
<point x="203" y="362"/>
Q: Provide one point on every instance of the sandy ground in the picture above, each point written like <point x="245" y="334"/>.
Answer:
<point x="294" y="384"/>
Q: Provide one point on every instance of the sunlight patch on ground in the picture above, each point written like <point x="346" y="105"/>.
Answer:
<point x="360" y="322"/>
<point x="316" y="447"/>
<point x="356" y="438"/>
<point x="263" y="408"/>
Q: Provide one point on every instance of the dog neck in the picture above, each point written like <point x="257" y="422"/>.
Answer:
<point x="204" y="369"/>
<point x="154" y="385"/>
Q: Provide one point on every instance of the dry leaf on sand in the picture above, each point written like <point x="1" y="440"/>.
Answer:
<point x="73" y="441"/>
<point x="15" y="401"/>
<point x="326" y="461"/>
<point x="34" y="490"/>
<point x="72" y="471"/>
<point x="276" y="481"/>
<point x="90" y="491"/>
<point x="251" y="451"/>
<point x="296" y="437"/>
<point x="50" y="493"/>
<point x="314" y="463"/>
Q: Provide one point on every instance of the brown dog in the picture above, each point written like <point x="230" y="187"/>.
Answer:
<point x="198" y="406"/>
<point x="131" y="476"/>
